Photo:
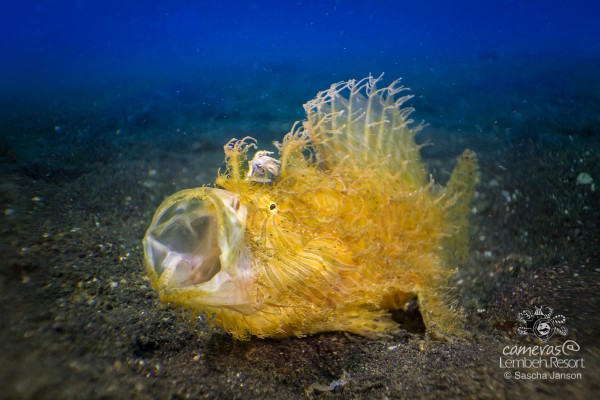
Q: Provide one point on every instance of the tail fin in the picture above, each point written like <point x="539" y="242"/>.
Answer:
<point x="356" y="121"/>
<point x="460" y="188"/>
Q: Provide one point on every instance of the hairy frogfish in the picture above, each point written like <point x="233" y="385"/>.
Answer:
<point x="344" y="225"/>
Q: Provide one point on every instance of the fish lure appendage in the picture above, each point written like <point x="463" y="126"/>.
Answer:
<point x="342" y="228"/>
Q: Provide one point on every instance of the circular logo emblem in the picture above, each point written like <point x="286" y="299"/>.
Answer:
<point x="543" y="328"/>
<point x="541" y="323"/>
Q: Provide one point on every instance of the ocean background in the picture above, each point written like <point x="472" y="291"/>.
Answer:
<point x="83" y="72"/>
<point x="107" y="107"/>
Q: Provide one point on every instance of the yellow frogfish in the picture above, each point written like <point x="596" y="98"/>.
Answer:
<point x="344" y="226"/>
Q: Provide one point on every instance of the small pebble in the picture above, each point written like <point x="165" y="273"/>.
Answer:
<point x="584" y="179"/>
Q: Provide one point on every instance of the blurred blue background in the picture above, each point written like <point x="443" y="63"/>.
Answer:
<point x="52" y="43"/>
<point x="77" y="70"/>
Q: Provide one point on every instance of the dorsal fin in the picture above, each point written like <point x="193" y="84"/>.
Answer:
<point x="365" y="125"/>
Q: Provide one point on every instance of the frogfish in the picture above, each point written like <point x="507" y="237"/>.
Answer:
<point x="334" y="232"/>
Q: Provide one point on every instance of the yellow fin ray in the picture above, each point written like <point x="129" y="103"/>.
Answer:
<point x="357" y="119"/>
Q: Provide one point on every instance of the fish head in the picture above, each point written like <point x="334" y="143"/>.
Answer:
<point x="195" y="250"/>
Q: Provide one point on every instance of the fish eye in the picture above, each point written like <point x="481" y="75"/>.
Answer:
<point x="272" y="206"/>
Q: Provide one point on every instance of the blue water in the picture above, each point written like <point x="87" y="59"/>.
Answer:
<point x="78" y="42"/>
<point x="77" y="69"/>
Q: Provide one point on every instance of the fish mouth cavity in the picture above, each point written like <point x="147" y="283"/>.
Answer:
<point x="182" y="244"/>
<point x="203" y="263"/>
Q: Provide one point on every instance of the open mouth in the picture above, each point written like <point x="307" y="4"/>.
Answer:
<point x="183" y="243"/>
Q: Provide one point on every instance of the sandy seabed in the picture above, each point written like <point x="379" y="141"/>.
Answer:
<point x="79" y="320"/>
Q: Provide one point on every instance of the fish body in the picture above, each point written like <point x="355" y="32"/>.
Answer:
<point x="345" y="226"/>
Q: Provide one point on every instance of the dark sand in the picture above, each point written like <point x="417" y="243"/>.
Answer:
<point x="78" y="319"/>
